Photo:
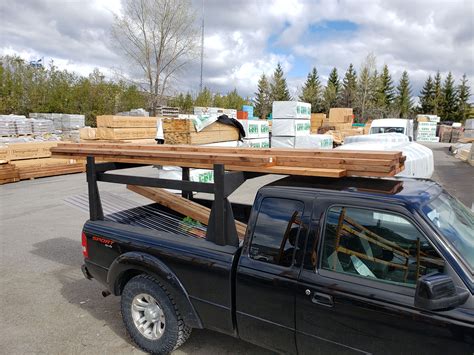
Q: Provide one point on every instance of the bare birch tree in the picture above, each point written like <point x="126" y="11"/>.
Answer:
<point x="160" y="38"/>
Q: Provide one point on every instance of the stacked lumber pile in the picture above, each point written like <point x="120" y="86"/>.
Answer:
<point x="20" y="161"/>
<point x="8" y="173"/>
<point x="125" y="127"/>
<point x="317" y="120"/>
<point x="339" y="124"/>
<point x="285" y="161"/>
<point x="183" y="131"/>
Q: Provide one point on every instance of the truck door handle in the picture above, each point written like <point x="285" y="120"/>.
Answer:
<point x="323" y="299"/>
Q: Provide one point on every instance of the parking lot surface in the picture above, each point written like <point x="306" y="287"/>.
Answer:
<point x="46" y="304"/>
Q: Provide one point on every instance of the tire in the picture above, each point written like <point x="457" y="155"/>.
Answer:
<point x="146" y="304"/>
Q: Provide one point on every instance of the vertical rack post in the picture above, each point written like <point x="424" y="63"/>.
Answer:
<point x="95" y="205"/>
<point x="219" y="210"/>
<point x="185" y="177"/>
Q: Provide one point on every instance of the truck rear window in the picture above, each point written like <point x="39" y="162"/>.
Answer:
<point x="276" y="231"/>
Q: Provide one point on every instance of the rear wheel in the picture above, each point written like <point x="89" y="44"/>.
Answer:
<point x="151" y="317"/>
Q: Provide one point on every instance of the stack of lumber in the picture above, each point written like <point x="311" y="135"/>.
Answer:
<point x="339" y="124"/>
<point x="8" y="173"/>
<point x="182" y="131"/>
<point x="30" y="150"/>
<point x="125" y="127"/>
<point x="181" y="205"/>
<point x="20" y="161"/>
<point x="285" y="161"/>
<point x="317" y="120"/>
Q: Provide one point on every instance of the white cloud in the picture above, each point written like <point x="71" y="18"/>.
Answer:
<point x="245" y="38"/>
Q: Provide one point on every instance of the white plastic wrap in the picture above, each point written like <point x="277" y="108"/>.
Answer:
<point x="283" y="142"/>
<point x="314" y="141"/>
<point x="175" y="173"/>
<point x="419" y="162"/>
<point x="257" y="143"/>
<point x="291" y="109"/>
<point x="291" y="128"/>
<point x="251" y="128"/>
<point x="385" y="138"/>
<point x="469" y="124"/>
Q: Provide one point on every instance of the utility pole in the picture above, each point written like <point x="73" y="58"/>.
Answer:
<point x="202" y="45"/>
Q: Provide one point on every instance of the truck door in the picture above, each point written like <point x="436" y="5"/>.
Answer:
<point x="266" y="275"/>
<point x="357" y="296"/>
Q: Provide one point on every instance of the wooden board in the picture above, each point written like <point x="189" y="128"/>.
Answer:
<point x="126" y="121"/>
<point x="181" y="205"/>
<point x="182" y="131"/>
<point x="30" y="150"/>
<point x="327" y="163"/>
<point x="125" y="133"/>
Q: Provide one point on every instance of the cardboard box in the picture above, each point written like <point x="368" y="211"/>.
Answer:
<point x="126" y="121"/>
<point x="291" y="128"/>
<point x="291" y="109"/>
<point x="125" y="133"/>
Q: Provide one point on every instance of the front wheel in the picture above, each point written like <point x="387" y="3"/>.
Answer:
<point x="151" y="317"/>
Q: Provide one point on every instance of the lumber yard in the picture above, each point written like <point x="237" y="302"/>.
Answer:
<point x="226" y="222"/>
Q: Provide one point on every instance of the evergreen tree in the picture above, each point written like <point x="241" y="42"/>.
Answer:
<point x="331" y="92"/>
<point x="334" y="80"/>
<point x="349" y="87"/>
<point x="188" y="103"/>
<point x="427" y="96"/>
<point x="219" y="101"/>
<point x="438" y="95"/>
<point x="449" y="98"/>
<point x="262" y="102"/>
<point x="385" y="90"/>
<point x="278" y="88"/>
<point x="204" y="99"/>
<point x="234" y="100"/>
<point x="311" y="92"/>
<point x="463" y="94"/>
<point x="403" y="99"/>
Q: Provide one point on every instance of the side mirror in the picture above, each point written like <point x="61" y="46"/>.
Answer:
<point x="437" y="291"/>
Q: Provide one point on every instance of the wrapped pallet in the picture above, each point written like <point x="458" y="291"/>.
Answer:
<point x="291" y="109"/>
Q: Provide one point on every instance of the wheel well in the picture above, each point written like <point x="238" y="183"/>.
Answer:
<point x="125" y="277"/>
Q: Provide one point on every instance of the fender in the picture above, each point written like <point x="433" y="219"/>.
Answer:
<point x="151" y="265"/>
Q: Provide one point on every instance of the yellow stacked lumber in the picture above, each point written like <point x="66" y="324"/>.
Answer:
<point x="317" y="120"/>
<point x="8" y="173"/>
<point x="126" y="121"/>
<point x="108" y="133"/>
<point x="308" y="162"/>
<point x="182" y="131"/>
<point x="30" y="150"/>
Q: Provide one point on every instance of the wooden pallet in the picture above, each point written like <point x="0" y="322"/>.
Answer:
<point x="327" y="163"/>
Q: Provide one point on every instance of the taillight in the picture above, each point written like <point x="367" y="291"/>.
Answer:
<point x="84" y="245"/>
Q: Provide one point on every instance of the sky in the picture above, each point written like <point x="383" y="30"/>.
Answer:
<point x="245" y="38"/>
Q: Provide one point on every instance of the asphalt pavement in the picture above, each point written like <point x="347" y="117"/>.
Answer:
<point x="46" y="305"/>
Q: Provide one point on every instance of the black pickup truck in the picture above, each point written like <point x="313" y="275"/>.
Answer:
<point x="327" y="266"/>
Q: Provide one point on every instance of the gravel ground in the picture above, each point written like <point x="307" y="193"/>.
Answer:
<point x="46" y="304"/>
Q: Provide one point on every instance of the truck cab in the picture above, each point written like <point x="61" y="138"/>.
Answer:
<point x="393" y="125"/>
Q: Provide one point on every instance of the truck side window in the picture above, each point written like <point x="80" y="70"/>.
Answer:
<point x="377" y="245"/>
<point x="276" y="231"/>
